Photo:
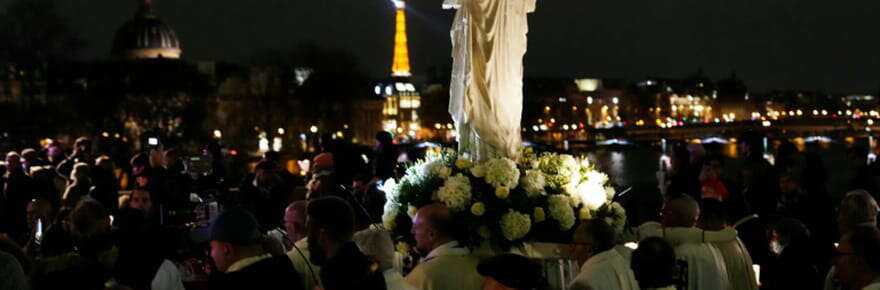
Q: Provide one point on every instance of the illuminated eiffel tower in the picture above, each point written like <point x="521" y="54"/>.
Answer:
<point x="402" y="100"/>
<point x="400" y="64"/>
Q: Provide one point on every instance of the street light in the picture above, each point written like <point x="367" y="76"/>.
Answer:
<point x="313" y="129"/>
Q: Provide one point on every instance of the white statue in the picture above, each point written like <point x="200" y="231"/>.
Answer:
<point x="488" y="44"/>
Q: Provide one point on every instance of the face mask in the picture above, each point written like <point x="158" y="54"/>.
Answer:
<point x="776" y="247"/>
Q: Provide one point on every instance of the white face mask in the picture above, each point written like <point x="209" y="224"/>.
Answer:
<point x="776" y="247"/>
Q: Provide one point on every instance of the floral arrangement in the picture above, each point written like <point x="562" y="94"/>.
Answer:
<point x="539" y="197"/>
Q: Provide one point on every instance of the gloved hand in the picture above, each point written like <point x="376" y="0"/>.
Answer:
<point x="376" y="243"/>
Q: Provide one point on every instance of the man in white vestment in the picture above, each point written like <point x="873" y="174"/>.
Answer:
<point x="488" y="43"/>
<point x="736" y="257"/>
<point x="602" y="266"/>
<point x="705" y="264"/>
<point x="447" y="265"/>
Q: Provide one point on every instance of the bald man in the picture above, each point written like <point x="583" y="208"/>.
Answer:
<point x="857" y="209"/>
<point x="705" y="264"/>
<point x="447" y="265"/>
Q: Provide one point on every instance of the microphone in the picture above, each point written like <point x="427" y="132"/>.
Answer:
<point x="359" y="203"/>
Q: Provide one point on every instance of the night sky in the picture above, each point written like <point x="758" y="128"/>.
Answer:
<point x="772" y="44"/>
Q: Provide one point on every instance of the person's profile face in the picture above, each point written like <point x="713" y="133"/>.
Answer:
<point x="294" y="224"/>
<point x="420" y="231"/>
<point x="220" y="255"/>
<point x="317" y="255"/>
<point x="13" y="163"/>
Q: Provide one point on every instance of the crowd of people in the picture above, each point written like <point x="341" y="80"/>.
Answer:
<point x="73" y="220"/>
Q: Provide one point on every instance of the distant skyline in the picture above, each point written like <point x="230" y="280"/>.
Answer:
<point x="772" y="44"/>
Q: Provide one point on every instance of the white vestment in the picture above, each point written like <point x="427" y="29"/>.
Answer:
<point x="606" y="270"/>
<point x="308" y="272"/>
<point x="872" y="286"/>
<point x="738" y="263"/>
<point x="167" y="277"/>
<point x="447" y="267"/>
<point x="705" y="265"/>
<point x="488" y="44"/>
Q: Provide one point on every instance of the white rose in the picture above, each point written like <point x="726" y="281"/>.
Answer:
<point x="463" y="163"/>
<point x="534" y="164"/>
<point x="444" y="172"/>
<point x="478" y="170"/>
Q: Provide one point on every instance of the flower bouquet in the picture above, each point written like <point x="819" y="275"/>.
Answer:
<point x="503" y="202"/>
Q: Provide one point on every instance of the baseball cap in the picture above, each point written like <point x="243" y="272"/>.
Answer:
<point x="236" y="226"/>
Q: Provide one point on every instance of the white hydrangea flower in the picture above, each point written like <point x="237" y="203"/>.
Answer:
<point x="574" y="178"/>
<point x="502" y="172"/>
<point x="436" y="168"/>
<point x="515" y="225"/>
<point x="592" y="195"/>
<point x="561" y="211"/>
<point x="533" y="183"/>
<point x="594" y="176"/>
<point x="455" y="192"/>
<point x="616" y="216"/>
<point x="390" y="214"/>
<point x="570" y="189"/>
<point x="389" y="187"/>
<point x="585" y="162"/>
<point x="569" y="161"/>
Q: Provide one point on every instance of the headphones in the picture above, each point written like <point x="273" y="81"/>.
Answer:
<point x="301" y="254"/>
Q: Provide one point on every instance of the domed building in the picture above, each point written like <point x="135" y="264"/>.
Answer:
<point x="146" y="37"/>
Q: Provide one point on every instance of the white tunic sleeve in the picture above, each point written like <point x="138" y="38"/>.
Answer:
<point x="167" y="277"/>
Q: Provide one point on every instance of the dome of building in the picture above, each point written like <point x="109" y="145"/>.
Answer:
<point x="146" y="37"/>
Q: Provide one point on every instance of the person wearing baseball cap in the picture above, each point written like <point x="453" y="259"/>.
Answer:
<point x="237" y="251"/>
<point x="511" y="272"/>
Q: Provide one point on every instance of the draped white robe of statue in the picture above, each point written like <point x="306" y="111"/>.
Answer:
<point x="606" y="270"/>
<point x="488" y="44"/>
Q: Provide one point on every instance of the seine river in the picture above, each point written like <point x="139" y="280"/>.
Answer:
<point x="636" y="166"/>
